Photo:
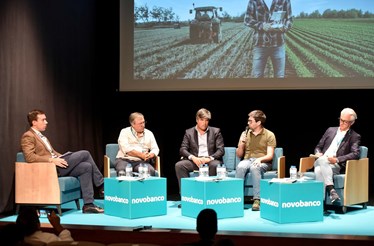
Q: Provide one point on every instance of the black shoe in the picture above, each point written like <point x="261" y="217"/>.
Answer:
<point x="92" y="209"/>
<point x="334" y="197"/>
<point x="179" y="205"/>
<point x="101" y="191"/>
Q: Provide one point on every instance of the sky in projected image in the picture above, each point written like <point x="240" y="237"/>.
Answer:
<point x="320" y="45"/>
<point x="237" y="7"/>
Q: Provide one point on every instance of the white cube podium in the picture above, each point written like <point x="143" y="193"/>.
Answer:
<point x="134" y="198"/>
<point x="224" y="196"/>
<point x="284" y="202"/>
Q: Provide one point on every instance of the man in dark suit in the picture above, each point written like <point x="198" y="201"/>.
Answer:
<point x="336" y="146"/>
<point x="202" y="144"/>
<point x="37" y="148"/>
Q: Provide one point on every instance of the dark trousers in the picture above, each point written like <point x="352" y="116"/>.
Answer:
<point x="82" y="166"/>
<point x="184" y="167"/>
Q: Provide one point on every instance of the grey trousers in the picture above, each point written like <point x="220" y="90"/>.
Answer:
<point x="82" y="166"/>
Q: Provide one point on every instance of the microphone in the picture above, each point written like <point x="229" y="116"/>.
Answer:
<point x="244" y="134"/>
<point x="246" y="130"/>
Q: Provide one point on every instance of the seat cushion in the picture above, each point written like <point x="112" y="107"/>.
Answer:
<point x="339" y="181"/>
<point x="68" y="183"/>
<point x="229" y="158"/>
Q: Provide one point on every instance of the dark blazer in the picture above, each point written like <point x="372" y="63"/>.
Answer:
<point x="190" y="143"/>
<point x="349" y="148"/>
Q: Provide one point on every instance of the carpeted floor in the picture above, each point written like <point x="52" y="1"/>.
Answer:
<point x="356" y="221"/>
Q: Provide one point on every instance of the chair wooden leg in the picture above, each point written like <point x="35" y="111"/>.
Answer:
<point x="78" y="204"/>
<point x="59" y="210"/>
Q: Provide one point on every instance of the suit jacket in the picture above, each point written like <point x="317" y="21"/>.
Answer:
<point x="34" y="149"/>
<point x="349" y="148"/>
<point x="190" y="143"/>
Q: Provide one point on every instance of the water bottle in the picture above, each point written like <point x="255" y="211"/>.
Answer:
<point x="221" y="171"/>
<point x="129" y="170"/>
<point x="205" y="171"/>
<point x="293" y="172"/>
<point x="141" y="170"/>
<point x="145" y="171"/>
<point x="201" y="170"/>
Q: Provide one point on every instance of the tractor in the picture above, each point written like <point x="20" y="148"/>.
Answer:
<point x="206" y="26"/>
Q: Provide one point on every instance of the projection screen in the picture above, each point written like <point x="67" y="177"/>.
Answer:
<point x="168" y="46"/>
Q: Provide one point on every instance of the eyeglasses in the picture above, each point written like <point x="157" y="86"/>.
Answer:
<point x="345" y="121"/>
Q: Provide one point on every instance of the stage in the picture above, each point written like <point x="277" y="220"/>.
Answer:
<point x="355" y="225"/>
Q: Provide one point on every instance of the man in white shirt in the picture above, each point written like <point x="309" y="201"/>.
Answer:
<point x="137" y="145"/>
<point x="337" y="145"/>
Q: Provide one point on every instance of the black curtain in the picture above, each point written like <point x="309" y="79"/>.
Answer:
<point x="47" y="59"/>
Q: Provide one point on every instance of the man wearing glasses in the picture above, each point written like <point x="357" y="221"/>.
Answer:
<point x="136" y="145"/>
<point x="336" y="146"/>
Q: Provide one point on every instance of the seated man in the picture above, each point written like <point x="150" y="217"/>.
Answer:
<point x="202" y="144"/>
<point x="205" y="16"/>
<point x="137" y="145"/>
<point x="256" y="147"/>
<point x="337" y="145"/>
<point x="37" y="148"/>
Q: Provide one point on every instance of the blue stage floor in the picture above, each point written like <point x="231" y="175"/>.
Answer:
<point x="356" y="222"/>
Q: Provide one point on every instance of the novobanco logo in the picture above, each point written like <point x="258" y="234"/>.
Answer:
<point x="224" y="200"/>
<point x="147" y="199"/>
<point x="192" y="200"/>
<point x="269" y="202"/>
<point x="296" y="204"/>
<point x="301" y="204"/>
<point x="117" y="199"/>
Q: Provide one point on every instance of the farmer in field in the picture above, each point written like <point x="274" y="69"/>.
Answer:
<point x="206" y="29"/>
<point x="270" y="26"/>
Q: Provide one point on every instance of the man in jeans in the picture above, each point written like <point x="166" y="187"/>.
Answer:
<point x="270" y="26"/>
<point x="256" y="149"/>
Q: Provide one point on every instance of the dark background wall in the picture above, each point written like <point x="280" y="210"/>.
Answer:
<point x="63" y="57"/>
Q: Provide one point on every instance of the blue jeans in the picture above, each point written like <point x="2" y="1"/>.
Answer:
<point x="260" y="57"/>
<point x="257" y="172"/>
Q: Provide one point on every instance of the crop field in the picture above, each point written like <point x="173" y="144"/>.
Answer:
<point x="314" y="48"/>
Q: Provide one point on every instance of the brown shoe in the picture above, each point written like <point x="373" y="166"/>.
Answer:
<point x="92" y="209"/>
<point x="256" y="205"/>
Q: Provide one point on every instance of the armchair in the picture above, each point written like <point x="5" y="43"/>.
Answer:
<point x="111" y="151"/>
<point x="37" y="184"/>
<point x="353" y="186"/>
